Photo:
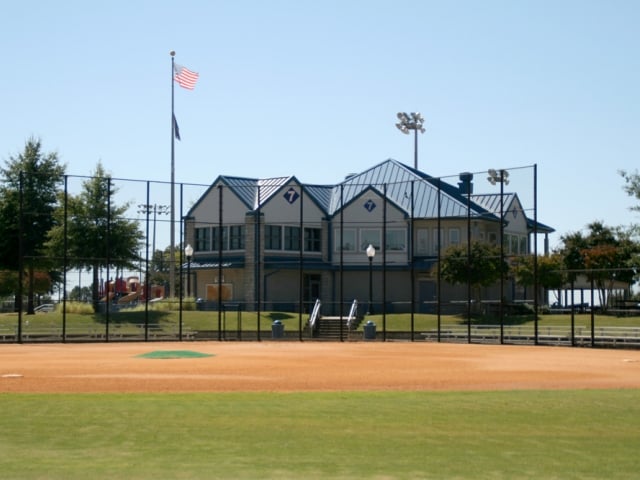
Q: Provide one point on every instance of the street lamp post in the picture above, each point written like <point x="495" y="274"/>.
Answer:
<point x="371" y="252"/>
<point x="188" y="252"/>
<point x="413" y="121"/>
<point x="502" y="177"/>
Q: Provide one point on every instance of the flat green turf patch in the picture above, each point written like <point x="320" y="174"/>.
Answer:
<point x="585" y="434"/>
<point x="167" y="354"/>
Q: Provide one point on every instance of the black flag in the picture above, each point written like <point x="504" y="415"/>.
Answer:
<point x="176" y="130"/>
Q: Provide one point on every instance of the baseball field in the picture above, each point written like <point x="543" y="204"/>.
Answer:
<point x="287" y="409"/>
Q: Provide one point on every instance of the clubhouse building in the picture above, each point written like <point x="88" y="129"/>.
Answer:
<point x="276" y="243"/>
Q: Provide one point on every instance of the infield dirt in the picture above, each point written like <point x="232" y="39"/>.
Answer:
<point x="310" y="366"/>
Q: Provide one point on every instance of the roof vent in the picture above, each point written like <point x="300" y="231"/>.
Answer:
<point x="466" y="185"/>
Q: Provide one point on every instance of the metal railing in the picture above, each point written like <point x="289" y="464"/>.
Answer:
<point x="353" y="313"/>
<point x="315" y="313"/>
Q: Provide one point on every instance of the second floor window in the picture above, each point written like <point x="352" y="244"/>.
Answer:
<point x="285" y="237"/>
<point x="292" y="238"/>
<point x="218" y="243"/>
<point x="273" y="237"/>
<point x="236" y="237"/>
<point x="312" y="239"/>
<point x="396" y="240"/>
<point x="202" y="239"/>
<point x="208" y="239"/>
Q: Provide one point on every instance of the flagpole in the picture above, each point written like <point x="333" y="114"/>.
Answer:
<point x="172" y="252"/>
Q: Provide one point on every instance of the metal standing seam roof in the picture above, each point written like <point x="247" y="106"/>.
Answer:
<point x="255" y="192"/>
<point x="391" y="176"/>
<point x="398" y="180"/>
<point x="491" y="201"/>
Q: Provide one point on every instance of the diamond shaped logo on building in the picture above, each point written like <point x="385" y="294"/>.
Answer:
<point x="369" y="205"/>
<point x="291" y="195"/>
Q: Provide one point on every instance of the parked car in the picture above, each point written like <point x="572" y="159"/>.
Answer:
<point x="45" y="308"/>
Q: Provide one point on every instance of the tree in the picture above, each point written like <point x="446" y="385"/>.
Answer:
<point x="80" y="294"/>
<point x="605" y="255"/>
<point x="482" y="268"/>
<point x="27" y="206"/>
<point x="159" y="267"/>
<point x="632" y="185"/>
<point x="551" y="271"/>
<point x="98" y="233"/>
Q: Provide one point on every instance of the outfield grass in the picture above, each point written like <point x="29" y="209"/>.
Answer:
<point x="380" y="435"/>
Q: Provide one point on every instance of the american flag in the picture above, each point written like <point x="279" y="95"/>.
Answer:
<point x="185" y="77"/>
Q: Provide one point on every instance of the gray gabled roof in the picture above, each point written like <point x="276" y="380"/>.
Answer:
<point x="398" y="181"/>
<point x="491" y="201"/>
<point x="432" y="197"/>
<point x="252" y="191"/>
<point x="256" y="192"/>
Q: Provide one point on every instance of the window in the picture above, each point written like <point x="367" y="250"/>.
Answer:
<point x="348" y="239"/>
<point x="292" y="238"/>
<point x="422" y="241"/>
<point x="215" y="233"/>
<point x="438" y="243"/>
<point x="454" y="236"/>
<point x="524" y="246"/>
<point x="279" y="237"/>
<point x="396" y="240"/>
<point x="370" y="236"/>
<point x="236" y="237"/>
<point x="515" y="241"/>
<point x="202" y="239"/>
<point x="273" y="237"/>
<point x="312" y="239"/>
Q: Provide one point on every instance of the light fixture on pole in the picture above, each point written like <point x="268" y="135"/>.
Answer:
<point x="502" y="177"/>
<point x="146" y="209"/>
<point x="413" y="121"/>
<point x="371" y="252"/>
<point x="188" y="252"/>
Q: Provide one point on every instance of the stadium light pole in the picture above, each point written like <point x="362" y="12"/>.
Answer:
<point x="146" y="209"/>
<point x="502" y="177"/>
<point x="371" y="252"/>
<point x="413" y="121"/>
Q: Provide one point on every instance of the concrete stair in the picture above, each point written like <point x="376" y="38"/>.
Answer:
<point x="328" y="328"/>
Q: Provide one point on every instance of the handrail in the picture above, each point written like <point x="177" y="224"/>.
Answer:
<point x="353" y="312"/>
<point x="315" y="313"/>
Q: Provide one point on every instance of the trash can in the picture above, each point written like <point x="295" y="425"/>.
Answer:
<point x="199" y="304"/>
<point x="277" y="329"/>
<point x="369" y="330"/>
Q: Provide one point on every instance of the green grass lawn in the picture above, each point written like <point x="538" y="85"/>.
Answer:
<point x="374" y="435"/>
<point x="168" y="320"/>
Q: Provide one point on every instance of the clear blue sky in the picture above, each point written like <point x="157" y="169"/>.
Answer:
<point x="312" y="88"/>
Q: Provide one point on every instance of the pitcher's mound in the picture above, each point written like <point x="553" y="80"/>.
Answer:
<point x="164" y="354"/>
